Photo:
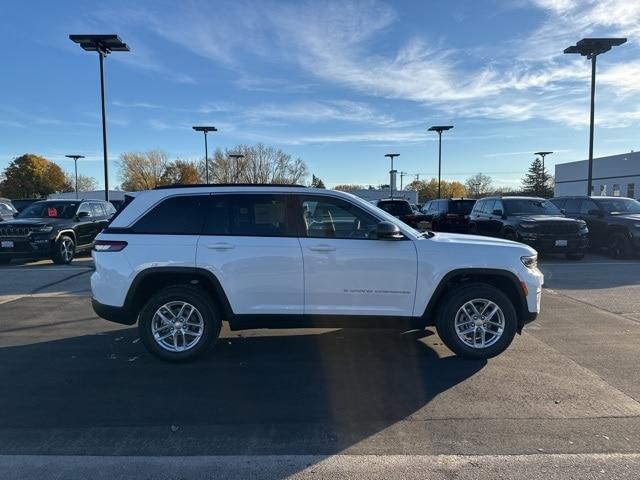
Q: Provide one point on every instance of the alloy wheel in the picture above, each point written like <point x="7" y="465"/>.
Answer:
<point x="479" y="323"/>
<point x="177" y="326"/>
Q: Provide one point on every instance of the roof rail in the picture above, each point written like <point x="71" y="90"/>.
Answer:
<point x="203" y="185"/>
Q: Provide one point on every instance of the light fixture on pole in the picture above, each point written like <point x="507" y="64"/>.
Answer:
<point x="544" y="175"/>
<point x="206" y="130"/>
<point x="591" y="48"/>
<point x="402" y="175"/>
<point x="440" y="129"/>
<point x="236" y="157"/>
<point x="104" y="45"/>
<point x="391" y="172"/>
<point x="75" y="162"/>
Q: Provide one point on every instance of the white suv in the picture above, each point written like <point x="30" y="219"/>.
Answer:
<point x="181" y="260"/>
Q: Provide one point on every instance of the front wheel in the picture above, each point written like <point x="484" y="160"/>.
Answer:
<point x="179" y="323"/>
<point x="477" y="321"/>
<point x="65" y="250"/>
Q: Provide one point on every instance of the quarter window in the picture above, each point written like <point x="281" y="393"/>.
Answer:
<point x="335" y="218"/>
<point x="182" y="215"/>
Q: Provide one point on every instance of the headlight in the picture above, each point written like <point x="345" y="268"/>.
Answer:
<point x="528" y="225"/>
<point x="530" y="261"/>
<point x="43" y="229"/>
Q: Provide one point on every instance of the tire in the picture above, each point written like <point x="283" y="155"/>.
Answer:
<point x="510" y="235"/>
<point x="451" y="310"/>
<point x="168" y="301"/>
<point x="574" y="256"/>
<point x="5" y="261"/>
<point x="619" y="246"/>
<point x="65" y="250"/>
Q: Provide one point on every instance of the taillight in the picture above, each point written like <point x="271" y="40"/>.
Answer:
<point x="109" y="245"/>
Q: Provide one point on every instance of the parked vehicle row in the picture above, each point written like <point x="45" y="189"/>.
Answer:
<point x="55" y="229"/>
<point x="567" y="225"/>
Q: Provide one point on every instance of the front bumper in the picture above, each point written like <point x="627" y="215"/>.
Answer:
<point x="26" y="247"/>
<point x="555" y="243"/>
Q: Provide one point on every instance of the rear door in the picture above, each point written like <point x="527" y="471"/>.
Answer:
<point x="347" y="270"/>
<point x="84" y="226"/>
<point x="249" y="244"/>
<point x="596" y="223"/>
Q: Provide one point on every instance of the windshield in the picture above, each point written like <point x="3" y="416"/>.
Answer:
<point x="49" y="210"/>
<point x="462" y="207"/>
<point x="530" y="206"/>
<point x="619" y="206"/>
<point x="396" y="208"/>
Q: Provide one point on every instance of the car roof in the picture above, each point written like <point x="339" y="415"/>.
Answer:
<point x="394" y="200"/>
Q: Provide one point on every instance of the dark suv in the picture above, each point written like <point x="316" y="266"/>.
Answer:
<point x="449" y="215"/>
<point x="534" y="221"/>
<point x="614" y="222"/>
<point x="55" y="229"/>
<point x="401" y="209"/>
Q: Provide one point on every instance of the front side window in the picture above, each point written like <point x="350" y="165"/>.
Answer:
<point x="49" y="210"/>
<point x="250" y="215"/>
<point x="182" y="215"/>
<point x="587" y="207"/>
<point x="572" y="205"/>
<point x="96" y="210"/>
<point x="487" y="208"/>
<point x="335" y="218"/>
<point x="619" y="206"/>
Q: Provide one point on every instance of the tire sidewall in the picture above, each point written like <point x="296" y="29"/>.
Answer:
<point x="196" y="297"/>
<point x="446" y="320"/>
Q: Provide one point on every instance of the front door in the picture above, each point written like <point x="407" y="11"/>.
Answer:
<point x="347" y="270"/>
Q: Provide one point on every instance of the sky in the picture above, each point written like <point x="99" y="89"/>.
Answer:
<point x="338" y="84"/>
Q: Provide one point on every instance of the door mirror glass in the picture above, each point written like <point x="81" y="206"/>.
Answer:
<point x="388" y="231"/>
<point x="498" y="212"/>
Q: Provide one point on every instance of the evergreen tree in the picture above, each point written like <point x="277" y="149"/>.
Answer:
<point x="536" y="181"/>
<point x="316" y="182"/>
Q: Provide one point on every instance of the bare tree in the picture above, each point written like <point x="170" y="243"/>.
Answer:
<point x="478" y="185"/>
<point x="85" y="182"/>
<point x="142" y="171"/>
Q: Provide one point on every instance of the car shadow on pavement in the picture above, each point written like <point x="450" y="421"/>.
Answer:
<point x="265" y="392"/>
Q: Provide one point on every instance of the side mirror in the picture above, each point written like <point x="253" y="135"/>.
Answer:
<point x="81" y="215"/>
<point x="497" y="212"/>
<point x="388" y="231"/>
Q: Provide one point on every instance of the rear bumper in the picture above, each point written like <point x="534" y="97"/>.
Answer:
<point x="122" y="315"/>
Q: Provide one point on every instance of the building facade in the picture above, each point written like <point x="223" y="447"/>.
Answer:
<point x="616" y="175"/>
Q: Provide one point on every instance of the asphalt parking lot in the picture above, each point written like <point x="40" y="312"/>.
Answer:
<point x="562" y="402"/>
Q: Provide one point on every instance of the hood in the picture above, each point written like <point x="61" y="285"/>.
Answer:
<point x="35" y="222"/>
<point x="460" y="239"/>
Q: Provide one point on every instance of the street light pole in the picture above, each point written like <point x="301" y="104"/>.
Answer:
<point x="440" y="129"/>
<point x="104" y="45"/>
<point x="591" y="48"/>
<point x="205" y="130"/>
<point x="75" y="162"/>
<point x="391" y="172"/>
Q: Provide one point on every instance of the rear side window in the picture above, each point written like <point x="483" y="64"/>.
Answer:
<point x="96" y="210"/>
<point x="183" y="215"/>
<point x="572" y="205"/>
<point x="477" y="208"/>
<point x="247" y="215"/>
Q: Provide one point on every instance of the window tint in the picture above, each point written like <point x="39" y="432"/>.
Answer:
<point x="85" y="207"/>
<point x="572" y="205"/>
<point x="181" y="215"/>
<point x="461" y="207"/>
<point x="247" y="215"/>
<point x="96" y="210"/>
<point x="559" y="202"/>
<point x="587" y="205"/>
<point x="334" y="218"/>
<point x="497" y="206"/>
<point x="488" y="206"/>
<point x="396" y="207"/>
<point x="442" y="206"/>
<point x="109" y="208"/>
<point x="479" y="206"/>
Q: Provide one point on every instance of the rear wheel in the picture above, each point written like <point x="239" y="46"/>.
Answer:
<point x="477" y="321"/>
<point x="65" y="250"/>
<point x="179" y="323"/>
<point x="619" y="245"/>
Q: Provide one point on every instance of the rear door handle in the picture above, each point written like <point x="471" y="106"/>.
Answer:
<point x="322" y="248"/>
<point x="220" y="246"/>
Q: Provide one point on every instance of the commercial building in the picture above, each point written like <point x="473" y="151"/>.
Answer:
<point x="616" y="175"/>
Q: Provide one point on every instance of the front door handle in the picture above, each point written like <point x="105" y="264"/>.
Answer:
<point x="322" y="248"/>
<point x="220" y="246"/>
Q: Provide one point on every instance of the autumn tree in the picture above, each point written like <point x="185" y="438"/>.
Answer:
<point x="479" y="185"/>
<point x="31" y="176"/>
<point x="181" y="172"/>
<point x="316" y="182"/>
<point x="142" y="170"/>
<point x="428" y="189"/>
